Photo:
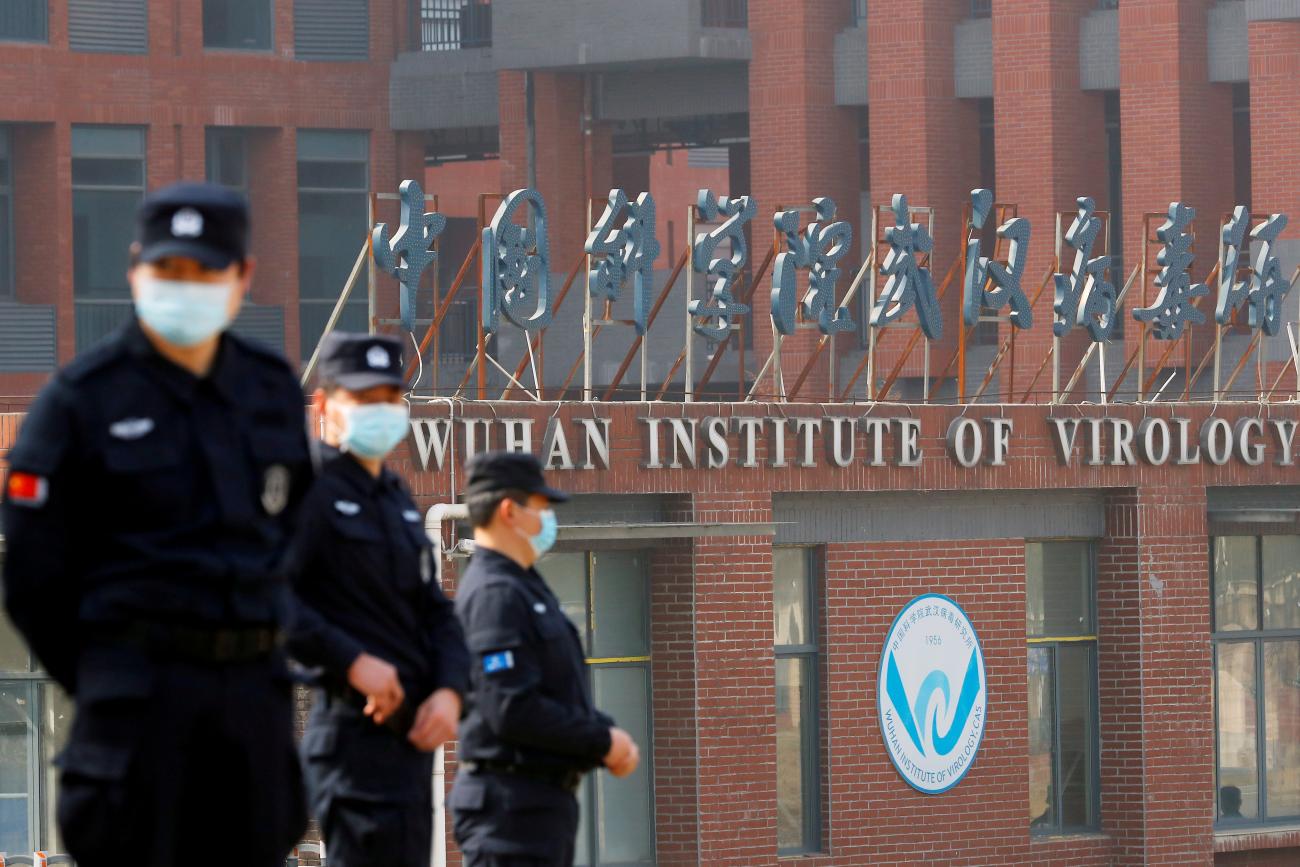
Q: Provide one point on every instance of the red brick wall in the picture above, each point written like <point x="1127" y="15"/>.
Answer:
<point x="1051" y="149"/>
<point x="1176" y="130"/>
<point x="1275" y="120"/>
<point x="804" y="146"/>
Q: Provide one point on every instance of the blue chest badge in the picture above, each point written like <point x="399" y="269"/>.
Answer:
<point x="502" y="660"/>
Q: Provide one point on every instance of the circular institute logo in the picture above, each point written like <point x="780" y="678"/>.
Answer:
<point x="932" y="693"/>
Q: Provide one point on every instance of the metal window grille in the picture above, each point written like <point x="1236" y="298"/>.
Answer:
<point x="450" y="25"/>
<point x="725" y="13"/>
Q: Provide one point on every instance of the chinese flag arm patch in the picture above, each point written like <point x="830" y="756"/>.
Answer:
<point x="27" y="489"/>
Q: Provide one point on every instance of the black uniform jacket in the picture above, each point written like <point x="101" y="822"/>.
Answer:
<point x="363" y="576"/>
<point x="530" y="703"/>
<point x="140" y="493"/>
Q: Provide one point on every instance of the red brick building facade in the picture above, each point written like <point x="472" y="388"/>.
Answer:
<point x="1178" y="573"/>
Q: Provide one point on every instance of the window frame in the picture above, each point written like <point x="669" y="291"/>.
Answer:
<point x="1053" y="644"/>
<point x="42" y="829"/>
<point x="270" y="32"/>
<point x="1257" y="638"/>
<point x="587" y="794"/>
<point x="810" y="652"/>
<point x="123" y="300"/>
<point x="211" y="168"/>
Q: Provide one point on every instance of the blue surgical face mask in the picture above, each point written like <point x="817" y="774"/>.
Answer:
<point x="372" y="430"/>
<point x="183" y="312"/>
<point x="544" y="539"/>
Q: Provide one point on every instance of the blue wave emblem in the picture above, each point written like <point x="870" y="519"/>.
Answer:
<point x="912" y="713"/>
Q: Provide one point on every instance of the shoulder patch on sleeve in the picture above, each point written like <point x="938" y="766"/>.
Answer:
<point x="502" y="660"/>
<point x="27" y="489"/>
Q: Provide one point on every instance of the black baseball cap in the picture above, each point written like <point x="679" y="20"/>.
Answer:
<point x="200" y="221"/>
<point x="360" y="361"/>
<point x="496" y="472"/>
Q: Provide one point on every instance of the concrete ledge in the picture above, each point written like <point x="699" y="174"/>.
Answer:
<point x="1099" y="50"/>
<point x="1257" y="837"/>
<point x="973" y="58"/>
<point x="1228" y="42"/>
<point x="851" y="66"/>
<point x="1273" y="10"/>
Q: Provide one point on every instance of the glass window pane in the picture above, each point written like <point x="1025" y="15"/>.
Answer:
<point x="619" y="622"/>
<point x="1236" y="716"/>
<point x="1282" y="727"/>
<point x="793" y="716"/>
<point x="104" y="172"/>
<point x="1281" y="582"/>
<point x="333" y="144"/>
<point x="103" y="227"/>
<point x="1077" y="738"/>
<point x="24" y="20"/>
<point x="1236" y="584"/>
<point x="107" y="141"/>
<point x="1042" y="724"/>
<point x="566" y="574"/>
<point x="1058" y="591"/>
<point x="227" y="158"/>
<point x="332" y="175"/>
<point x="241" y="24"/>
<point x="791" y="597"/>
<point x="16" y="738"/>
<point x="624" y="806"/>
<point x="331" y="230"/>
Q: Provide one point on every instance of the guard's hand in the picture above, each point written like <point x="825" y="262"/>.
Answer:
<point x="623" y="755"/>
<point x="377" y="681"/>
<point x="435" y="721"/>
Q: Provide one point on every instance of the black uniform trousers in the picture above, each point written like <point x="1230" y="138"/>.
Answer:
<point x="180" y="763"/>
<point x="371" y="789"/>
<point x="503" y="820"/>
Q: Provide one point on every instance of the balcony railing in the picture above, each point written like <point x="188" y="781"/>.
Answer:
<point x="450" y="25"/>
<point x="725" y="13"/>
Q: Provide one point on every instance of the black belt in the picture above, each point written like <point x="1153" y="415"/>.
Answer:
<point x="567" y="780"/>
<point x="195" y="643"/>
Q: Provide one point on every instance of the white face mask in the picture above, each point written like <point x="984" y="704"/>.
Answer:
<point x="183" y="312"/>
<point x="372" y="430"/>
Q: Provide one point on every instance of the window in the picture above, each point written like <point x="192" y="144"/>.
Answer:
<point x="333" y="226"/>
<point x="1062" y="635"/>
<point x="606" y="597"/>
<point x="108" y="179"/>
<point x="450" y="25"/>
<point x="226" y="153"/>
<point x="24" y="21"/>
<point x="243" y="25"/>
<point x="798" y="770"/>
<point x="35" y="716"/>
<point x="1256" y="589"/>
<point x="981" y="8"/>
<point x="6" y="215"/>
<point x="858" y="9"/>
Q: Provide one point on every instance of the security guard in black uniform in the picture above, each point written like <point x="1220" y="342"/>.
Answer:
<point x="371" y="617"/>
<point x="531" y="731"/>
<point x="148" y="511"/>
